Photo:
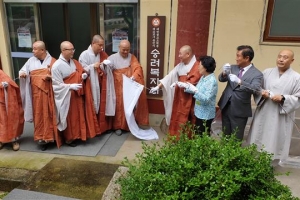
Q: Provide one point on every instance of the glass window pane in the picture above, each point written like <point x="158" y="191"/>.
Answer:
<point x="23" y="31"/>
<point x="22" y="26"/>
<point x="285" y="19"/>
<point x="121" y="22"/>
<point x="17" y="65"/>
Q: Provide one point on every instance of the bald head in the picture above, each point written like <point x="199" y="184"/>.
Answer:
<point x="97" y="38"/>
<point x="39" y="44"/>
<point x="187" y="49"/>
<point x="186" y="54"/>
<point x="124" y="48"/>
<point x="97" y="44"/>
<point x="39" y="50"/>
<point x="67" y="50"/>
<point x="124" y="43"/>
<point x="65" y="45"/>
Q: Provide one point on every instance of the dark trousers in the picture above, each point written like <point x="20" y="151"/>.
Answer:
<point x="203" y="124"/>
<point x="232" y="124"/>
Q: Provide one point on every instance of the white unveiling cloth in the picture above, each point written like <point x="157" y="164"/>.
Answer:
<point x="131" y="94"/>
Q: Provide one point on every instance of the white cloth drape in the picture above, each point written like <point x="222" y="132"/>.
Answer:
<point x="131" y="93"/>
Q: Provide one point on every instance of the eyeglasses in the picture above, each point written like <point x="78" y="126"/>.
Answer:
<point x="70" y="50"/>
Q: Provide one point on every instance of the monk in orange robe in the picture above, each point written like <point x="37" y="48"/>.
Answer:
<point x="37" y="95"/>
<point x="179" y="105"/>
<point x="12" y="114"/>
<point x="74" y="115"/>
<point x="126" y="63"/>
<point x="92" y="61"/>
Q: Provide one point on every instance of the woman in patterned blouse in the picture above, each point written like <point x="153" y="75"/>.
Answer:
<point x="205" y="94"/>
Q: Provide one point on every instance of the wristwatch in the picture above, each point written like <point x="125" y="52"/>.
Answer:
<point x="282" y="98"/>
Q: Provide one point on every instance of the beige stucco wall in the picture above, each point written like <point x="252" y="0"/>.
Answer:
<point x="166" y="8"/>
<point x="242" y="22"/>
<point x="4" y="47"/>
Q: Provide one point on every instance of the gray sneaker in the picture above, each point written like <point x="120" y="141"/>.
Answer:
<point x="118" y="132"/>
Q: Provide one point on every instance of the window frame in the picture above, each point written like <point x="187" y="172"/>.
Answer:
<point x="266" y="35"/>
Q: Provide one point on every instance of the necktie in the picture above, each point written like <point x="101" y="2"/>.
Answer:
<point x="241" y="73"/>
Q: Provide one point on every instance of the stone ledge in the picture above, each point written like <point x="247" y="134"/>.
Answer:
<point x="112" y="192"/>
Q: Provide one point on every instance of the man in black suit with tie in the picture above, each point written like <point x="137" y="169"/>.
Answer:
<point x="243" y="80"/>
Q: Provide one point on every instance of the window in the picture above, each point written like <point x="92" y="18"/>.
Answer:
<point x="282" y="21"/>
<point x="120" y="21"/>
<point x="23" y="30"/>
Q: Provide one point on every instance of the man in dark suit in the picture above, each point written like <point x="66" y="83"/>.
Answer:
<point x="243" y="80"/>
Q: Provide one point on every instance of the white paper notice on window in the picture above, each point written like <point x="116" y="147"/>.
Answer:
<point x="24" y="37"/>
<point x="117" y="36"/>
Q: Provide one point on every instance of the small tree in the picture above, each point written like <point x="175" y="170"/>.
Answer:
<point x="201" y="168"/>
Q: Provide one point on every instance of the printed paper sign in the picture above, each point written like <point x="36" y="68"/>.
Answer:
<point x="24" y="37"/>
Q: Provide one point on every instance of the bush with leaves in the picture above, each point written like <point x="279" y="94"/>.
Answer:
<point x="201" y="168"/>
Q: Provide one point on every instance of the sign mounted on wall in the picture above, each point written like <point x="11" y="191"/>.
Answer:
<point x="155" y="52"/>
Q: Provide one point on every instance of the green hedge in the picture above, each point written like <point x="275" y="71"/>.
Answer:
<point x="201" y="168"/>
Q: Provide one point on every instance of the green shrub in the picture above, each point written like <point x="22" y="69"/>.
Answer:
<point x="201" y="168"/>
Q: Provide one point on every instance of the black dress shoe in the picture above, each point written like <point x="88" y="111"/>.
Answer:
<point x="44" y="147"/>
<point x="72" y="144"/>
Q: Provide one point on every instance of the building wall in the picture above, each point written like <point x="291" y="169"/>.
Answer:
<point x="187" y="23"/>
<point x="193" y="26"/>
<point x="237" y="22"/>
<point x="162" y="8"/>
<point x="4" y="47"/>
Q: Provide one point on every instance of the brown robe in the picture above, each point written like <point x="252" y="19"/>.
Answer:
<point x="92" y="124"/>
<point x="12" y="117"/>
<point x="76" y="123"/>
<point x="105" y="122"/>
<point x="141" y="111"/>
<point x="44" y="116"/>
<point x="184" y="103"/>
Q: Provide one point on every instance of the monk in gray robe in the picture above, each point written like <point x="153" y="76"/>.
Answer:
<point x="272" y="124"/>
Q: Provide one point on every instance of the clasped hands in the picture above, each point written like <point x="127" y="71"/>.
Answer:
<point x="4" y="84"/>
<point x="103" y="64"/>
<point x="187" y="86"/>
<point x="274" y="97"/>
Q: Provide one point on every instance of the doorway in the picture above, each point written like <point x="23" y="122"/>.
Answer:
<point x="74" y="22"/>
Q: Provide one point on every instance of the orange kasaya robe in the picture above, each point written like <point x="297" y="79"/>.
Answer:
<point x="141" y="111"/>
<point x="184" y="103"/>
<point x="92" y="124"/>
<point x="11" y="111"/>
<point x="44" y="116"/>
<point x="76" y="123"/>
<point x="105" y="122"/>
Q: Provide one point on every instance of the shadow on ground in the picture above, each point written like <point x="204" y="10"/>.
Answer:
<point x="72" y="178"/>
